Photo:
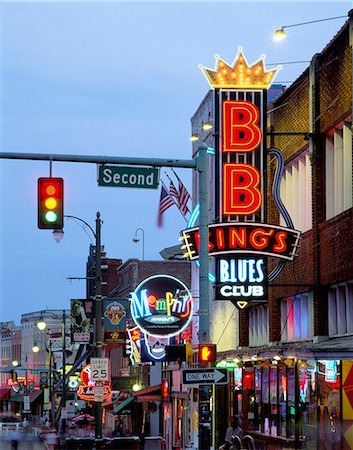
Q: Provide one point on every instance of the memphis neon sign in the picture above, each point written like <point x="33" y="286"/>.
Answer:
<point x="161" y="305"/>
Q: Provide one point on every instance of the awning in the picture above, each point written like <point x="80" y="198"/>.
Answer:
<point x="5" y="393"/>
<point x="124" y="407"/>
<point x="150" y="394"/>
<point x="32" y="396"/>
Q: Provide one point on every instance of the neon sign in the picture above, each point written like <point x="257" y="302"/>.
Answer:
<point x="86" y="389"/>
<point x="244" y="238"/>
<point x="241" y="278"/>
<point x="161" y="305"/>
<point x="240" y="239"/>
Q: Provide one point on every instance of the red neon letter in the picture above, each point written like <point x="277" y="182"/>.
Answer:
<point x="281" y="242"/>
<point x="241" y="194"/>
<point x="241" y="132"/>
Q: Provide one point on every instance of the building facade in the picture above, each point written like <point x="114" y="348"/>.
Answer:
<point x="290" y="358"/>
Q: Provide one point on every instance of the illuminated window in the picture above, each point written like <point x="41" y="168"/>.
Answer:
<point x="340" y="309"/>
<point x="296" y="318"/>
<point x="338" y="170"/>
<point x="296" y="191"/>
<point x="258" y="326"/>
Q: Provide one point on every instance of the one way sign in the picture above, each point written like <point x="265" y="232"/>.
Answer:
<point x="204" y="376"/>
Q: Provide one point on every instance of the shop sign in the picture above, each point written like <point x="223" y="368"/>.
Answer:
<point x="143" y="347"/>
<point x="161" y="305"/>
<point x="82" y="314"/>
<point x="241" y="278"/>
<point x="241" y="240"/>
<point x="86" y="389"/>
<point x="115" y="313"/>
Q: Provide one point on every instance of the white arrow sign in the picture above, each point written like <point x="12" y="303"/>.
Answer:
<point x="205" y="376"/>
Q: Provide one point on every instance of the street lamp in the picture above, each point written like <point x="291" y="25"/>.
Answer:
<point x="58" y="235"/>
<point x="35" y="348"/>
<point x="41" y="325"/>
<point x="136" y="240"/>
<point x="280" y="33"/>
<point x="15" y="363"/>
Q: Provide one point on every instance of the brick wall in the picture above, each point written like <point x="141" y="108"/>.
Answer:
<point x="336" y="81"/>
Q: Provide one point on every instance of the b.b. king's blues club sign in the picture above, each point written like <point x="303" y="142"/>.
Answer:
<point x="240" y="238"/>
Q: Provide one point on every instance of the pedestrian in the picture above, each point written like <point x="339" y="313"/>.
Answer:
<point x="51" y="440"/>
<point x="14" y="438"/>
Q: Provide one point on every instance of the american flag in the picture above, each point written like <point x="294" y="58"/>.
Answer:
<point x="184" y="197"/>
<point x="165" y="202"/>
<point x="173" y="191"/>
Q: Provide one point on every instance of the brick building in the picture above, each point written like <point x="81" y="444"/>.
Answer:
<point x="293" y="354"/>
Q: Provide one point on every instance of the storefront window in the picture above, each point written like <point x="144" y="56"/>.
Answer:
<point x="291" y="402"/>
<point x="265" y="400"/>
<point x="307" y="400"/>
<point x="273" y="401"/>
<point x="282" y="399"/>
<point x="257" y="404"/>
<point x="329" y="380"/>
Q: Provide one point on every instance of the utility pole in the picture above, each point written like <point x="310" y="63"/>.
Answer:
<point x="98" y="326"/>
<point x="63" y="403"/>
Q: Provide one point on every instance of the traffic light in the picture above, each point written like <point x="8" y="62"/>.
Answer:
<point x="50" y="203"/>
<point x="207" y="353"/>
<point x="14" y="376"/>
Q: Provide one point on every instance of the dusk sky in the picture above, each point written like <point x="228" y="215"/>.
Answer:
<point x="118" y="79"/>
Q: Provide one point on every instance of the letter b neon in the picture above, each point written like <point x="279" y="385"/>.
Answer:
<point x="241" y="193"/>
<point x="241" y="132"/>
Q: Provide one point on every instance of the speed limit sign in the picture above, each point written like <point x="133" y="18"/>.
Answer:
<point x="99" y="369"/>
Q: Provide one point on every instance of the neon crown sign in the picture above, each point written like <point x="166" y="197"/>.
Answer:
<point x="240" y="74"/>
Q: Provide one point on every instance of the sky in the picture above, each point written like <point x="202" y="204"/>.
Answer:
<point x="115" y="79"/>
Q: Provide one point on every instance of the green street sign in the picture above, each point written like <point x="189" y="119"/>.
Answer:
<point x="130" y="177"/>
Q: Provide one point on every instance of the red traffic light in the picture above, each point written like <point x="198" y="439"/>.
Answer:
<point x="207" y="353"/>
<point x="50" y="203"/>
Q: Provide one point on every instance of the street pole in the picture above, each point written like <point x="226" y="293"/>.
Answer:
<point x="204" y="305"/>
<point x="98" y="325"/>
<point x="51" y="388"/>
<point x="63" y="405"/>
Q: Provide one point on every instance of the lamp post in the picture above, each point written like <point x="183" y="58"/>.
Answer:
<point x="280" y="33"/>
<point x="58" y="235"/>
<point x="136" y="240"/>
<point x="41" y="325"/>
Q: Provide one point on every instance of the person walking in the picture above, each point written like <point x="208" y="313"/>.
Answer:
<point x="51" y="439"/>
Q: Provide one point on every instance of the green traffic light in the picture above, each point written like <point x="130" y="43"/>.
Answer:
<point x="51" y="216"/>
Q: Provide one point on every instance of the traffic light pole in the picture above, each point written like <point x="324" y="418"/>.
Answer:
<point x="201" y="165"/>
<point x="99" y="328"/>
<point x="63" y="403"/>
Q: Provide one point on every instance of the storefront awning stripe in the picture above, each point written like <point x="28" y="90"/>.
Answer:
<point x="123" y="405"/>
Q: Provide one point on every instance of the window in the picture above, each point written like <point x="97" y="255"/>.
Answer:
<point x="258" y="326"/>
<point x="296" y="318"/>
<point x="338" y="153"/>
<point x="340" y="309"/>
<point x="296" y="191"/>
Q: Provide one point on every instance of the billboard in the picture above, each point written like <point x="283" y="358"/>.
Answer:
<point x="82" y="314"/>
<point x="115" y="312"/>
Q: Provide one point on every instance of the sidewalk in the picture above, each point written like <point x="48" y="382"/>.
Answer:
<point x="6" y="445"/>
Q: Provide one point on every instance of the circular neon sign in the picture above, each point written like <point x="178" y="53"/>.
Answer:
<point x="161" y="305"/>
